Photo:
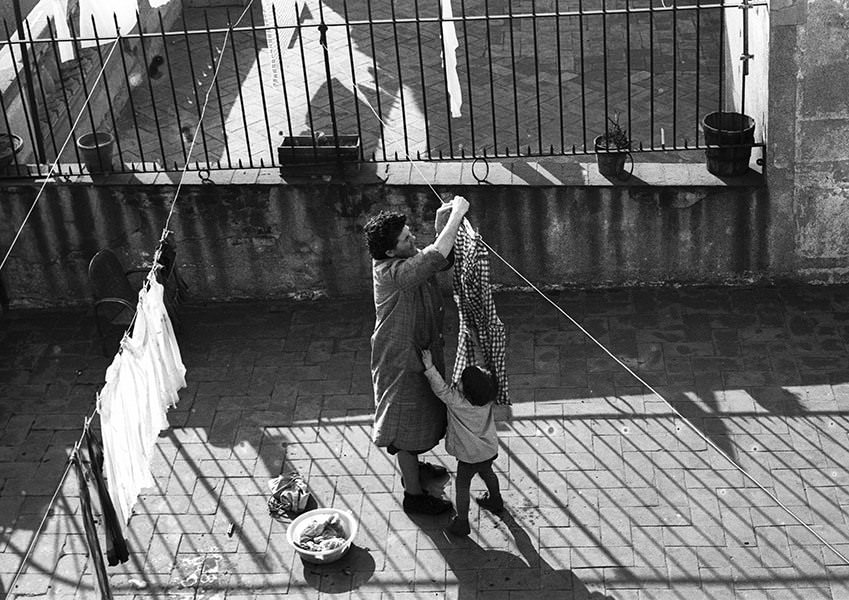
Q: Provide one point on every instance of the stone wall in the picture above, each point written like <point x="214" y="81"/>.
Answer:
<point x="808" y="172"/>
<point x="270" y="238"/>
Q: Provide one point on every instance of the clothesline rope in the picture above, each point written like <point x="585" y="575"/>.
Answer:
<point x="47" y="179"/>
<point x="220" y="60"/>
<point x="88" y="419"/>
<point x="37" y="532"/>
<point x="154" y="266"/>
<point x="707" y="440"/>
<point x="157" y="253"/>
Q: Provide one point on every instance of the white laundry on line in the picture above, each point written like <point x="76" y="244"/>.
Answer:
<point x="141" y="384"/>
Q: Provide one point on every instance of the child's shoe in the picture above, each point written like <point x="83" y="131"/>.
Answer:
<point x="493" y="505"/>
<point x="459" y="527"/>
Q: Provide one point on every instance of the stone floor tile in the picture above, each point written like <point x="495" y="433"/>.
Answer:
<point x="602" y="490"/>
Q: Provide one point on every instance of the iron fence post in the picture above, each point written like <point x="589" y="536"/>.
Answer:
<point x="322" y="30"/>
<point x="39" y="142"/>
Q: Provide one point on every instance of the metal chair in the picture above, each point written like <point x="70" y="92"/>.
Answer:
<point x="115" y="297"/>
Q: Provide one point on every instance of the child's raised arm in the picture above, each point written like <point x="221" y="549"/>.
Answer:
<point x="439" y="386"/>
<point x="427" y="359"/>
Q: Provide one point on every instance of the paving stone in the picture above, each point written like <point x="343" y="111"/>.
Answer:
<point x="608" y="494"/>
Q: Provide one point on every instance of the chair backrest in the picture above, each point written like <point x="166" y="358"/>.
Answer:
<point x="108" y="279"/>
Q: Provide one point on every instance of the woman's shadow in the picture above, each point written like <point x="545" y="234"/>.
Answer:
<point x="476" y="569"/>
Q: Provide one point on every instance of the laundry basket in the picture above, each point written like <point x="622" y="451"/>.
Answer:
<point x="347" y="522"/>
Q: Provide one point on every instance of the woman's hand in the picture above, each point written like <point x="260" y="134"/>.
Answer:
<point x="460" y="205"/>
<point x="427" y="359"/>
<point x="442" y="214"/>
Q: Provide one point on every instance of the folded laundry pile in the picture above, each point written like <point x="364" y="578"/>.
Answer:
<point x="324" y="533"/>
<point x="289" y="495"/>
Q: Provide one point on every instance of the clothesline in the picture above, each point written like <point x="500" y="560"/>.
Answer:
<point x="87" y="421"/>
<point x="37" y="532"/>
<point x="686" y="421"/>
<point x="55" y="163"/>
<point x="150" y="280"/>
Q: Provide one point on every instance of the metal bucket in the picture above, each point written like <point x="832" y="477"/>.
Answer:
<point x="729" y="137"/>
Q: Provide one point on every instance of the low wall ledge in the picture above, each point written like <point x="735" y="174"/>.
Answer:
<point x="543" y="172"/>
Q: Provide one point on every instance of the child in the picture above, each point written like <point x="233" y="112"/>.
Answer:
<point x="471" y="436"/>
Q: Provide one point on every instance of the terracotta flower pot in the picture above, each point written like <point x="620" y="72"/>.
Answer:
<point x="10" y="144"/>
<point x="96" y="151"/>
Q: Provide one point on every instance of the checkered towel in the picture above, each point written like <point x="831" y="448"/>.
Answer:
<point x="476" y="309"/>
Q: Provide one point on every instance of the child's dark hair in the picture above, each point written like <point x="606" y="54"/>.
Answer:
<point x="382" y="231"/>
<point x="479" y="385"/>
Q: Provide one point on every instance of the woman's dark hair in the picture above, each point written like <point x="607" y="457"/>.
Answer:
<point x="382" y="231"/>
<point x="479" y="385"/>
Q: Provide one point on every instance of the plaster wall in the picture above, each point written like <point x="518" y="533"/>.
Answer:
<point x="748" y="92"/>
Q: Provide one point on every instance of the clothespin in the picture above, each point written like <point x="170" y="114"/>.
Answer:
<point x="157" y="254"/>
<point x="126" y="337"/>
<point x="75" y="450"/>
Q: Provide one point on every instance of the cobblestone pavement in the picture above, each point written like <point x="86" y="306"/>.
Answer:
<point x="609" y="494"/>
<point x="534" y="83"/>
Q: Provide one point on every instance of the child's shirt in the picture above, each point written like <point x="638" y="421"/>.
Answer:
<point x="471" y="435"/>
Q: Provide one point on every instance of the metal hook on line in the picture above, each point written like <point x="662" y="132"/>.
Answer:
<point x="486" y="173"/>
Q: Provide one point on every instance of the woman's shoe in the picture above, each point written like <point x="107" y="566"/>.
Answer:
<point x="425" y="504"/>
<point x="459" y="527"/>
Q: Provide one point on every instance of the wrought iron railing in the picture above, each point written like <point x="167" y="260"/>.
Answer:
<point x="533" y="81"/>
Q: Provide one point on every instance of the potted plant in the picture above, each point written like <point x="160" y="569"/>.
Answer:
<point x="318" y="154"/>
<point x="613" y="149"/>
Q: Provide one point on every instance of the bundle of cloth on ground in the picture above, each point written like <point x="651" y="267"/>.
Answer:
<point x="142" y="383"/>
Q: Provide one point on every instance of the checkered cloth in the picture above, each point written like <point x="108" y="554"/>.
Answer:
<point x="476" y="309"/>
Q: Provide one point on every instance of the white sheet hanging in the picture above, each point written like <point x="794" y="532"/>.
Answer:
<point x="449" y="58"/>
<point x="105" y="15"/>
<point x="142" y="383"/>
<point x="124" y="423"/>
<point x="156" y="334"/>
